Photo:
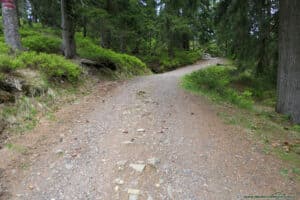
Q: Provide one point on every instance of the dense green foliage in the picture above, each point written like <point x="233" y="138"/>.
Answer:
<point x="215" y="81"/>
<point x="163" y="62"/>
<point x="123" y="63"/>
<point x="42" y="43"/>
<point x="53" y="66"/>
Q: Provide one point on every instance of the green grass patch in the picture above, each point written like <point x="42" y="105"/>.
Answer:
<point x="243" y="103"/>
<point x="41" y="39"/>
<point x="215" y="82"/>
<point x="52" y="65"/>
<point x="162" y="62"/>
<point x="42" y="43"/>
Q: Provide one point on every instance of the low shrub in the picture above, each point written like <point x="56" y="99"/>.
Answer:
<point x="53" y="66"/>
<point x="215" y="81"/>
<point x="125" y="64"/>
<point x="162" y="62"/>
<point x="6" y="63"/>
<point x="42" y="43"/>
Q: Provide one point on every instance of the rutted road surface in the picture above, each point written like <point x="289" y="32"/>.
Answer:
<point x="150" y="140"/>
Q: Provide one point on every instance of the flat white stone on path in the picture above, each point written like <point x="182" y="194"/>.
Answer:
<point x="119" y="181"/>
<point x="138" y="167"/>
<point x="133" y="191"/>
<point x="153" y="161"/>
<point x="141" y="130"/>
<point x="133" y="194"/>
<point x="127" y="142"/>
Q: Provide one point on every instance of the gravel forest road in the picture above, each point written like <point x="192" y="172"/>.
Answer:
<point x="146" y="139"/>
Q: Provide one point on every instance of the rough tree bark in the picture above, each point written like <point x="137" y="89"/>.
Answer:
<point x="68" y="29"/>
<point x="10" y="23"/>
<point x="288" y="88"/>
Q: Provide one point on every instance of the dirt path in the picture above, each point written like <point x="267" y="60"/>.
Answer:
<point x="97" y="153"/>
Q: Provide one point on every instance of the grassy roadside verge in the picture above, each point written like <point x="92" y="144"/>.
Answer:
<point x="241" y="103"/>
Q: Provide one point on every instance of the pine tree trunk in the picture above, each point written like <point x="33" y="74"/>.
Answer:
<point x="10" y="23"/>
<point x="68" y="29"/>
<point x="288" y="88"/>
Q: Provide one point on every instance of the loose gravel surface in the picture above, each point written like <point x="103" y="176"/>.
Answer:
<point x="145" y="139"/>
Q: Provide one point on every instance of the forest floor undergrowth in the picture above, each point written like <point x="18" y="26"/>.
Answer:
<point x="145" y="138"/>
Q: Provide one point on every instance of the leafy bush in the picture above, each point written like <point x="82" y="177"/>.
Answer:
<point x="8" y="63"/>
<point x="125" y="64"/>
<point x="162" y="62"/>
<point x="52" y="65"/>
<point x="215" y="81"/>
<point x="42" y="43"/>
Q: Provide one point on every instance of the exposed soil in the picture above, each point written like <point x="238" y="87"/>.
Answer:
<point x="193" y="154"/>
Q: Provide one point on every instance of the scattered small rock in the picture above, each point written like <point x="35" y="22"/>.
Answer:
<point x="276" y="144"/>
<point x="138" y="167"/>
<point x="31" y="187"/>
<point x="286" y="148"/>
<point x="153" y="161"/>
<point x="127" y="142"/>
<point x="59" y="151"/>
<point x="74" y="154"/>
<point x="119" y="181"/>
<point x="141" y="130"/>
<point x="149" y="198"/>
<point x="69" y="166"/>
<point x="133" y="194"/>
<point x="125" y="131"/>
<point x="121" y="164"/>
<point x="133" y="197"/>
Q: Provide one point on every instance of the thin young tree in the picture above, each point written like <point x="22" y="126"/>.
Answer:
<point x="10" y="24"/>
<point x="68" y="28"/>
<point x="288" y="88"/>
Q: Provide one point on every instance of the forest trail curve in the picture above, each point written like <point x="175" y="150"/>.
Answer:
<point x="149" y="139"/>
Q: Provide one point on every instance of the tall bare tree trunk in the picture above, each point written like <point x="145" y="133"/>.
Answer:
<point x="68" y="29"/>
<point x="288" y="88"/>
<point x="10" y="23"/>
